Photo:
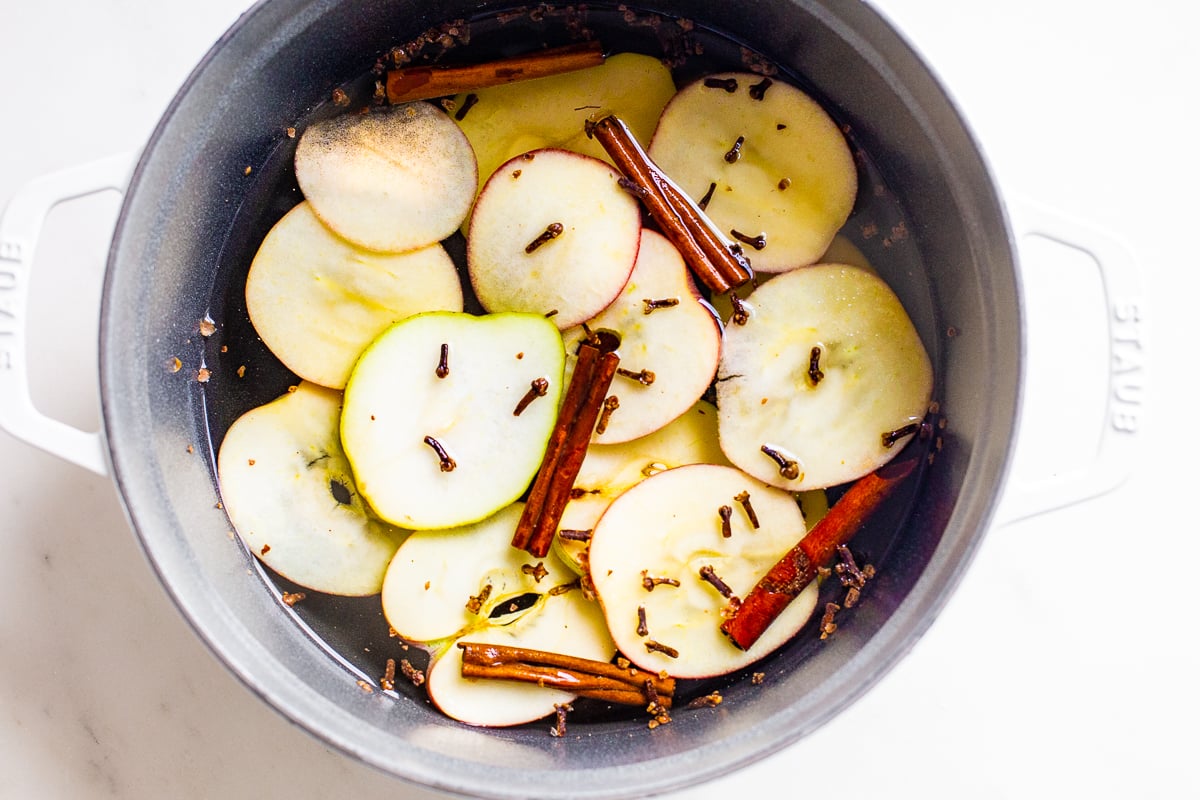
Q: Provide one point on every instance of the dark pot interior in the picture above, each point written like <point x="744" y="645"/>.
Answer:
<point x="193" y="218"/>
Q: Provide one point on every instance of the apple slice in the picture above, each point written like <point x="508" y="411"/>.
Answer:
<point x="431" y="423"/>
<point x="505" y="121"/>
<point x="769" y="160"/>
<point x="447" y="586"/>
<point x="393" y="179"/>
<point x="818" y="388"/>
<point x="670" y="343"/>
<point x="317" y="300"/>
<point x="552" y="232"/>
<point x="288" y="490"/>
<point x="652" y="547"/>
<point x="609" y="469"/>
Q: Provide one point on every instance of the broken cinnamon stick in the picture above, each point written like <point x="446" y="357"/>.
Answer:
<point x="716" y="261"/>
<point x="582" y="676"/>
<point x="798" y="567"/>
<point x="595" y="367"/>
<point x="423" y="83"/>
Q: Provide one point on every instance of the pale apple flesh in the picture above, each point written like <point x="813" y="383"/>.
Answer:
<point x="317" y="301"/>
<point x="448" y="586"/>
<point x="439" y="451"/>
<point x="392" y="179"/>
<point x="652" y="546"/>
<point x="828" y="373"/>
<point x="766" y="159"/>
<point x="289" y="492"/>
<point x="670" y="343"/>
<point x="552" y="233"/>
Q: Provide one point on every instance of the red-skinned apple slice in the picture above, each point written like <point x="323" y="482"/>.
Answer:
<point x="552" y="233"/>
<point x="288" y="490"/>
<point x="430" y="422"/>
<point x="317" y="300"/>
<point x="821" y="384"/>
<point x="393" y="179"/>
<point x="446" y="586"/>
<point x="670" y="343"/>
<point x="652" y="548"/>
<point x="769" y="160"/>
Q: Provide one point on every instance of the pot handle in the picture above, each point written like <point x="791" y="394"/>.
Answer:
<point x="20" y="226"/>
<point x="1119" y="442"/>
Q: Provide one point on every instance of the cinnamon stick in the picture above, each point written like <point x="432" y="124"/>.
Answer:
<point x="798" y="567"/>
<point x="582" y="676"/>
<point x="716" y="261"/>
<point x="422" y="83"/>
<point x="594" y="371"/>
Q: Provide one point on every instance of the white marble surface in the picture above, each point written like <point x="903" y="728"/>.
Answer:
<point x="1066" y="664"/>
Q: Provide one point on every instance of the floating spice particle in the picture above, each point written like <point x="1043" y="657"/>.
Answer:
<point x="415" y="676"/>
<point x="658" y="647"/>
<point x="784" y="183"/>
<point x="535" y="571"/>
<point x="815" y="375"/>
<point x="744" y="499"/>
<point x="366" y="687"/>
<point x="642" y="630"/>
<point x="388" y="681"/>
<point x="207" y="327"/>
<point x="445" y="462"/>
<point x="828" y="626"/>
<point x="560" y="719"/>
<point x="443" y="366"/>
<point x="951" y="332"/>
<point x="266" y="548"/>
<point x="190" y="449"/>
<point x="788" y="467"/>
<point x="250" y="461"/>
<point x="174" y="365"/>
<point x="293" y="389"/>
<point x="241" y="371"/>
<point x="475" y="604"/>
<point x="869" y="230"/>
<point x="291" y="132"/>
<point x="757" y="242"/>
<point x="650" y="581"/>
<point x="759" y="90"/>
<point x="576" y="492"/>
<point x="340" y="98"/>
<point x="291" y="598"/>
<point x="891" y="437"/>
<point x="649" y="306"/>
<point x="735" y="152"/>
<point x="704" y="201"/>
<point x="728" y="84"/>
<point x="725" y="513"/>
<point x="516" y="173"/>
<point x="644" y="377"/>
<point x="553" y="231"/>
<point x="779" y="126"/>
<point x="572" y="535"/>
<point x="246" y="171"/>
<point x="709" y="575"/>
<point x="224" y="348"/>
<point x="203" y="374"/>
<point x="467" y="104"/>
<point x="741" y="312"/>
<point x="537" y="388"/>
<point x="757" y="678"/>
<point x="707" y="701"/>
<point x="611" y="404"/>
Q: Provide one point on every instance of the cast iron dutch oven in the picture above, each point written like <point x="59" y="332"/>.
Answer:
<point x="190" y="223"/>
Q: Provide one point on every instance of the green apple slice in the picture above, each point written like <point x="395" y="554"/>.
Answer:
<point x="769" y="159"/>
<point x="317" y="300"/>
<point x="830" y="420"/>
<point x="609" y="469"/>
<point x="505" y="121"/>
<point x="447" y="586"/>
<point x="552" y="233"/>
<point x="673" y="348"/>
<point x="288" y="490"/>
<point x="669" y="527"/>
<point x="393" y="179"/>
<point x="436" y="452"/>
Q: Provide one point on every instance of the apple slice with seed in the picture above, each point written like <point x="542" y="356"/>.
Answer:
<point x="825" y="382"/>
<point x="552" y="233"/>
<point x="317" y="300"/>
<point x="391" y="179"/>
<point x="289" y="492"/>
<point x="769" y="165"/>
<point x="471" y="584"/>
<point x="662" y="564"/>
<point x="670" y="343"/>
<point x="447" y="415"/>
